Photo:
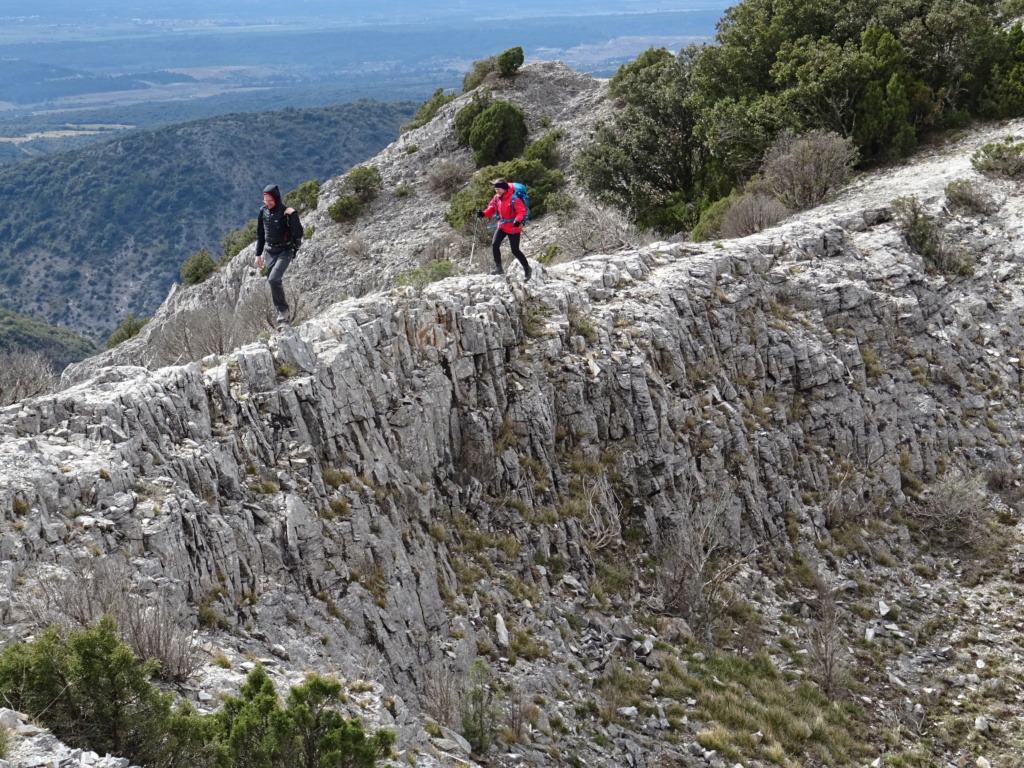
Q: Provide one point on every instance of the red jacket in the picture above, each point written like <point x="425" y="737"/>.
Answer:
<point x="508" y="210"/>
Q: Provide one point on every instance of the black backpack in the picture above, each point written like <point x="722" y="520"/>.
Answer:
<point x="287" y="225"/>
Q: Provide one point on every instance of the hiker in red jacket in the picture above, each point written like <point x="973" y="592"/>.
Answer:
<point x="511" y="213"/>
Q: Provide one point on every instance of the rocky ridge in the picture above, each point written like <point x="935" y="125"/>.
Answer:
<point x="409" y="480"/>
<point x="395" y="234"/>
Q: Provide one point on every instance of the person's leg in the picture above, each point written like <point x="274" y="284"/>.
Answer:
<point x="513" y="241"/>
<point x="276" y="266"/>
<point x="496" y="251"/>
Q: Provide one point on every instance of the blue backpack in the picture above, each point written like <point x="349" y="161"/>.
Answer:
<point x="519" y="192"/>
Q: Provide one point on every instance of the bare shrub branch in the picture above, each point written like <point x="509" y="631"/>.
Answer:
<point x="449" y="176"/>
<point x="954" y="511"/>
<point x="802" y="171"/>
<point x="602" y="517"/>
<point x="844" y="502"/>
<point x="94" y="587"/>
<point x="358" y="246"/>
<point x="254" y="314"/>
<point x="697" y="561"/>
<point x="517" y="714"/>
<point x="603" y="231"/>
<point x="218" y="328"/>
<point x="751" y="214"/>
<point x="444" y="691"/>
<point x="827" y="649"/>
<point x="24" y="374"/>
<point x="448" y="247"/>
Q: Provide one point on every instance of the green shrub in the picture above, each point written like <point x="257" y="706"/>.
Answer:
<point x="411" y="148"/>
<point x="198" y="267"/>
<point x="691" y="126"/>
<point x="305" y="198"/>
<point x="1004" y="158"/>
<point x="1004" y="93"/>
<point x="481" y="69"/>
<point x="128" y="327"/>
<point x="630" y="164"/>
<point x="464" y="117"/>
<point x="364" y="182"/>
<point x="208" y="618"/>
<point x="497" y="134"/>
<point x="510" y="60"/>
<point x="430" y="272"/>
<point x="921" y="233"/>
<point x="966" y="195"/>
<point x="479" y="713"/>
<point x="540" y="183"/>
<point x="345" y="208"/>
<point x="405" y="189"/>
<point x="709" y="225"/>
<point x="234" y="241"/>
<point x="308" y="732"/>
<point x="924" y="237"/>
<point x="544" y="149"/>
<point x="427" y="110"/>
<point x="93" y="693"/>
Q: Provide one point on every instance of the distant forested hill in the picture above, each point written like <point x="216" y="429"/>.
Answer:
<point x="158" y="114"/>
<point x="90" y="235"/>
<point x="60" y="345"/>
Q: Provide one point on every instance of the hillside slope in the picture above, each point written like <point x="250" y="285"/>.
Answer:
<point x="58" y="345"/>
<point x="396" y="233"/>
<point x="91" y="235"/>
<point x="413" y="479"/>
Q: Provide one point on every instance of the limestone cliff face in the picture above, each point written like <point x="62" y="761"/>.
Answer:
<point x="755" y="370"/>
<point x="397" y="481"/>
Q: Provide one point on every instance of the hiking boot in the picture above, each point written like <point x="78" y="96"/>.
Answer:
<point x="527" y="273"/>
<point x="497" y="270"/>
<point x="282" y="319"/>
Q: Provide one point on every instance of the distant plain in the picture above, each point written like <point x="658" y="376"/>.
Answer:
<point x="119" y="63"/>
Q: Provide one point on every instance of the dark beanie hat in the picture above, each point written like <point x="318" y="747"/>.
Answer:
<point x="501" y="185"/>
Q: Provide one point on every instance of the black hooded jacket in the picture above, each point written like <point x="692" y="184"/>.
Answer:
<point x="277" y="228"/>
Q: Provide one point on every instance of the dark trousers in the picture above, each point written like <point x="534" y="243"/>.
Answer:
<point x="513" y="241"/>
<point x="276" y="263"/>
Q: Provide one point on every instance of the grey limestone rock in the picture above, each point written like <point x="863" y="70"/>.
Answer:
<point x="330" y="492"/>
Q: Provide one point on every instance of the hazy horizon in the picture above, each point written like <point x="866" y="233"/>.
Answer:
<point x="111" y="58"/>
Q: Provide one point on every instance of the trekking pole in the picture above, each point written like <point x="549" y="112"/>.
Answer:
<point x="472" y="249"/>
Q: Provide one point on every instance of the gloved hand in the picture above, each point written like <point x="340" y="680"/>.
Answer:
<point x="479" y="214"/>
<point x="517" y="223"/>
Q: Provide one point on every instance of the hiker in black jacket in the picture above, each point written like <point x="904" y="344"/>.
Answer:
<point x="278" y="231"/>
